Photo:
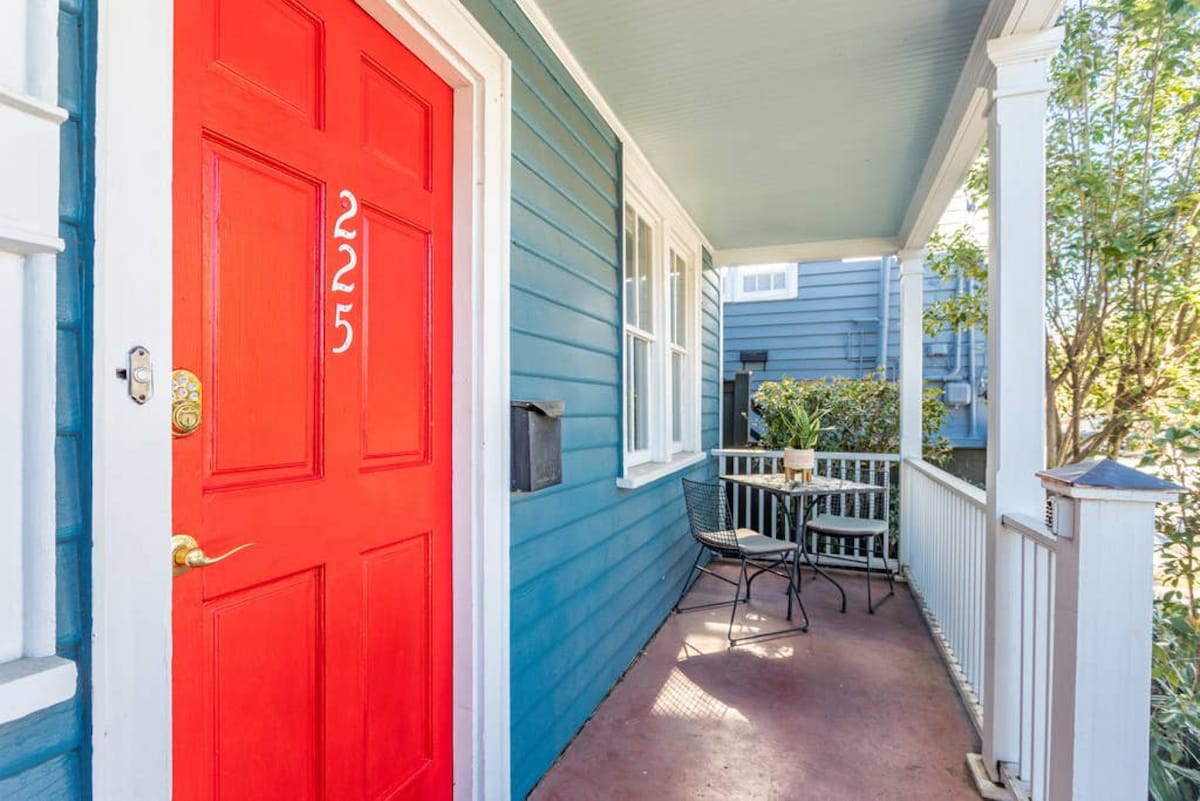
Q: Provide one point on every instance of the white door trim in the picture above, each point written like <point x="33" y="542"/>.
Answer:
<point x="132" y="444"/>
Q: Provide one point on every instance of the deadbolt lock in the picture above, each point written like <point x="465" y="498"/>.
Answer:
<point x="186" y="403"/>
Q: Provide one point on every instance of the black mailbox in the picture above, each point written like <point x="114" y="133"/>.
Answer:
<point x="536" y="444"/>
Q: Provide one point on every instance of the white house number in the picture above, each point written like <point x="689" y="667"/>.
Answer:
<point x="342" y="279"/>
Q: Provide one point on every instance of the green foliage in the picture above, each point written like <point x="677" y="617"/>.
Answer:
<point x="863" y="415"/>
<point x="1123" y="239"/>
<point x="950" y="256"/>
<point x="1174" y="454"/>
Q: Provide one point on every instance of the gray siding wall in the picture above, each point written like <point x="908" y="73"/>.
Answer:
<point x="832" y="328"/>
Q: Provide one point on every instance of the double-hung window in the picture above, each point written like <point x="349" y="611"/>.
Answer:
<point x="660" y="326"/>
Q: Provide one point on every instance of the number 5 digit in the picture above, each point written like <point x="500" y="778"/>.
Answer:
<point x="338" y="322"/>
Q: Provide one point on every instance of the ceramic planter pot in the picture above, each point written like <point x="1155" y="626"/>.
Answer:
<point x="799" y="458"/>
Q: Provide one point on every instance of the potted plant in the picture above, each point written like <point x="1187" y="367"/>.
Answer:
<point x="800" y="430"/>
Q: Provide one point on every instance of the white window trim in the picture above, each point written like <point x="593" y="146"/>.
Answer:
<point x="737" y="293"/>
<point x="132" y="736"/>
<point x="664" y="456"/>
<point x="32" y="677"/>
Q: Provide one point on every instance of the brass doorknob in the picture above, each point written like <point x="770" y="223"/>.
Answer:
<point x="186" y="553"/>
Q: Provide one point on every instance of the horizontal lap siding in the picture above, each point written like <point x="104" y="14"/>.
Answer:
<point x="832" y="329"/>
<point x="46" y="756"/>
<point x="595" y="569"/>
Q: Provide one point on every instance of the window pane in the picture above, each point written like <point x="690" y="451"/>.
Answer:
<point x="749" y="283"/>
<point x="637" y="413"/>
<point x="677" y="397"/>
<point x="645" y="246"/>
<point x="779" y="280"/>
<point x="630" y="267"/>
<point x="677" y="299"/>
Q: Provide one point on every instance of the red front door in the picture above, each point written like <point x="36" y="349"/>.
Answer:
<point x="312" y="276"/>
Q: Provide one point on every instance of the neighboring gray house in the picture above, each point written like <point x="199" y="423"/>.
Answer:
<point x="841" y="318"/>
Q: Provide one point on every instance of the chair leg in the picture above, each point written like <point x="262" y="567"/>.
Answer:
<point x="886" y="571"/>
<point x="794" y="589"/>
<point x="737" y="593"/>
<point x="687" y="584"/>
<point x="870" y="547"/>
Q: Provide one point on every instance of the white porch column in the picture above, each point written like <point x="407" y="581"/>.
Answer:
<point x="912" y="379"/>
<point x="1016" y="448"/>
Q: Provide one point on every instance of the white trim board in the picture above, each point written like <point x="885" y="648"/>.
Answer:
<point x="964" y="128"/>
<point x="637" y="167"/>
<point x="132" y="451"/>
<point x="801" y="252"/>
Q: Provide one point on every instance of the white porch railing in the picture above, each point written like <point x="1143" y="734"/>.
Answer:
<point x="945" y="522"/>
<point x="1039" y="574"/>
<point x="754" y="508"/>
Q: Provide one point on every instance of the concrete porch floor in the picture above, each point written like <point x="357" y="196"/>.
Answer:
<point x="859" y="708"/>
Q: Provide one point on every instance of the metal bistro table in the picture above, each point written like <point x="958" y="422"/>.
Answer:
<point x="805" y="493"/>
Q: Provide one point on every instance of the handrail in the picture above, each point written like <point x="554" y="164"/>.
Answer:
<point x="1032" y="528"/>
<point x="848" y="455"/>
<point x="968" y="491"/>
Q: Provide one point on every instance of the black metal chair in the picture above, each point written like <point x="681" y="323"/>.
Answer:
<point x="859" y="529"/>
<point x="714" y="529"/>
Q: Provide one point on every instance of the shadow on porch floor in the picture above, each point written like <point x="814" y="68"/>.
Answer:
<point x="859" y="708"/>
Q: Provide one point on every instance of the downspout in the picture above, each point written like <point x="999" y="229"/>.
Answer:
<point x="885" y="309"/>
<point x="972" y="369"/>
<point x="956" y="373"/>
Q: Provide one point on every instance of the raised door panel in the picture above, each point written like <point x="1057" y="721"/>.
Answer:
<point x="260" y="243"/>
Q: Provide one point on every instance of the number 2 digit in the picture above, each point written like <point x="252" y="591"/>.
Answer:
<point x="351" y="263"/>
<point x="338" y="231"/>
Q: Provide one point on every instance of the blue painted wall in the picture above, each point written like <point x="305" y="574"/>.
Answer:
<point x="832" y="328"/>
<point x="595" y="569"/>
<point x="46" y="756"/>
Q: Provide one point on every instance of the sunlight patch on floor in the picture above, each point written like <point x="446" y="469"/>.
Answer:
<point x="683" y="699"/>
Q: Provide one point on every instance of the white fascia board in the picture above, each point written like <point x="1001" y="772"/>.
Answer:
<point x="638" y="169"/>
<point x="964" y="128"/>
<point x="830" y="250"/>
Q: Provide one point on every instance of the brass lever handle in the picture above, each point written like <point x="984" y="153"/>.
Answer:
<point x="186" y="553"/>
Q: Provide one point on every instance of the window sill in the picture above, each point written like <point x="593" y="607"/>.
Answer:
<point x="650" y="472"/>
<point x="33" y="683"/>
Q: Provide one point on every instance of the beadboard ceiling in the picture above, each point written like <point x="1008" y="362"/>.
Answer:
<point x="778" y="121"/>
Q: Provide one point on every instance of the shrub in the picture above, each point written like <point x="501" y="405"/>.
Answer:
<point x="1174" y="454"/>
<point x="862" y="415"/>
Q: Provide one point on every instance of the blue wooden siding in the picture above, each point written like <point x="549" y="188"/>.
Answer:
<point x="46" y="756"/>
<point x="595" y="569"/>
<point x="832" y="328"/>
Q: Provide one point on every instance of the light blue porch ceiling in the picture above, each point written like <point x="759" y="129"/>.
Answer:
<point x="778" y="121"/>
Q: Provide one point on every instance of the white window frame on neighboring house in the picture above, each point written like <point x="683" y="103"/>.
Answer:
<point x="668" y="438"/>
<point x="735" y="282"/>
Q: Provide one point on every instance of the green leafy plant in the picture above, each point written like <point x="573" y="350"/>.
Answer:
<point x="798" y="427"/>
<point x="1174" y="454"/>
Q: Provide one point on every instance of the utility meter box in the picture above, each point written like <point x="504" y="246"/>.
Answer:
<point x="536" y="444"/>
<point x="958" y="393"/>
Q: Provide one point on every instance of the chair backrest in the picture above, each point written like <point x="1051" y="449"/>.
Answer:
<point x="708" y="513"/>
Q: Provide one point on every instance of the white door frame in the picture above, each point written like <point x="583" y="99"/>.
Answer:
<point x="131" y="521"/>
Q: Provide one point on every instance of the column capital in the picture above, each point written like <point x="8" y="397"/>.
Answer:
<point x="1021" y="61"/>
<point x="912" y="261"/>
